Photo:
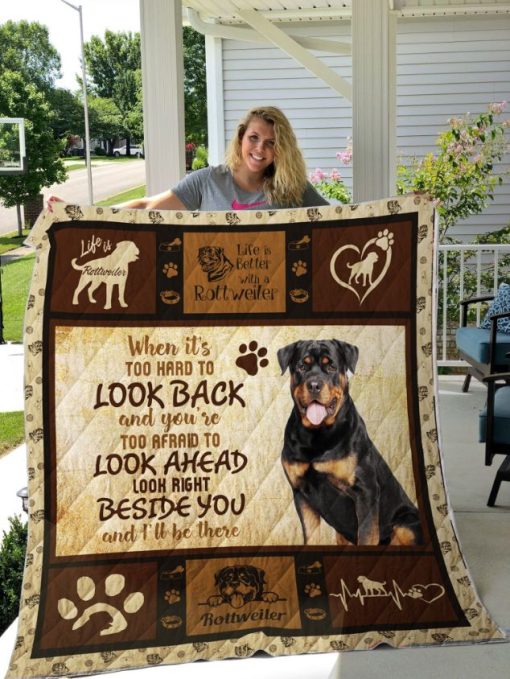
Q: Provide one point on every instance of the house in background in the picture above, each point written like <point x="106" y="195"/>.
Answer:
<point x="387" y="74"/>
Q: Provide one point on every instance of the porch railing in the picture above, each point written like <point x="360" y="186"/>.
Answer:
<point x="465" y="271"/>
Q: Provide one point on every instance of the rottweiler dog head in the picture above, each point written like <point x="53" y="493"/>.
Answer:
<point x="214" y="262"/>
<point x="319" y="378"/>
<point x="238" y="585"/>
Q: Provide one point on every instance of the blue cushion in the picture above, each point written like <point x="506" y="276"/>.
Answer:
<point x="475" y="342"/>
<point x="501" y="417"/>
<point x="500" y="304"/>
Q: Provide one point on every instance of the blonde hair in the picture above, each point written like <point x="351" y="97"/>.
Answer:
<point x="285" y="179"/>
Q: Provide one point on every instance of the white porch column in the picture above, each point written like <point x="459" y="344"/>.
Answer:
<point x="215" y="109"/>
<point x="163" y="92"/>
<point x="373" y="104"/>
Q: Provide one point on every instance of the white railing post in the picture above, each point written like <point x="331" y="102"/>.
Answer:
<point x="478" y="281"/>
<point x="445" y="303"/>
<point x="484" y="255"/>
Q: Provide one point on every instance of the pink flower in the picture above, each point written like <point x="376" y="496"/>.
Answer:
<point x="455" y="122"/>
<point x="345" y="156"/>
<point x="317" y="176"/>
<point x="497" y="108"/>
<point x="335" y="175"/>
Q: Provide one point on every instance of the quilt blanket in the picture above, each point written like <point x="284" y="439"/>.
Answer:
<point x="233" y="441"/>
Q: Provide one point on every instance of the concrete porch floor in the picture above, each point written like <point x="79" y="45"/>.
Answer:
<point x="484" y="534"/>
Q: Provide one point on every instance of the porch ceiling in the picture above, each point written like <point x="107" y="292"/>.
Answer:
<point x="274" y="10"/>
<point x="328" y="10"/>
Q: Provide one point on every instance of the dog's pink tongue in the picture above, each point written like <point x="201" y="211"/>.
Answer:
<point x="316" y="412"/>
<point x="236" y="601"/>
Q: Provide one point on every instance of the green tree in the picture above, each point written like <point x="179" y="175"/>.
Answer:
<point x="135" y="115"/>
<point x="19" y="99"/>
<point x="105" y="120"/>
<point x="26" y="49"/>
<point x="114" y="66"/>
<point x="67" y="114"/>
<point x="195" y="90"/>
<point x="109" y="59"/>
<point x="29" y="66"/>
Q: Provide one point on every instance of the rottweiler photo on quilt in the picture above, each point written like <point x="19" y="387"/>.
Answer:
<point x="233" y="441"/>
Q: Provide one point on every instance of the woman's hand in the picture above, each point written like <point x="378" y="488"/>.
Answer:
<point x="51" y="200"/>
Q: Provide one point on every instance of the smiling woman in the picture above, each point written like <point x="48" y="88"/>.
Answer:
<point x="264" y="168"/>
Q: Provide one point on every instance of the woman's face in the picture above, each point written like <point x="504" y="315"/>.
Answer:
<point x="257" y="145"/>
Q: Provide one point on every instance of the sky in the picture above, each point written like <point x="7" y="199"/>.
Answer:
<point x="63" y="23"/>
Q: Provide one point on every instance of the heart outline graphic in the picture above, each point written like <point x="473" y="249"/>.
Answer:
<point x="361" y="253"/>
<point x="424" y="588"/>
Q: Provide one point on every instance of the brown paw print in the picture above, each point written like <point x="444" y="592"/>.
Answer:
<point x="394" y="207"/>
<point x="299" y="268"/>
<point x="172" y="596"/>
<point x="170" y="270"/>
<point x="312" y="590"/>
<point x="243" y="651"/>
<point x="252" y="361"/>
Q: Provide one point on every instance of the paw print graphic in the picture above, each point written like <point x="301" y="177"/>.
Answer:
<point x="170" y="270"/>
<point x="252" y="361"/>
<point x="86" y="589"/>
<point x="312" y="590"/>
<point x="172" y="596"/>
<point x="155" y="217"/>
<point x="394" y="207"/>
<point x="232" y="218"/>
<point x="385" y="240"/>
<point x="288" y="641"/>
<point x="415" y="592"/>
<point x="299" y="268"/>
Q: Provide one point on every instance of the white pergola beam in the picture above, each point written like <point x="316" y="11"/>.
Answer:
<point x="211" y="10"/>
<point x="163" y="93"/>
<point x="249" y="35"/>
<point x="293" y="49"/>
<point x="374" y="95"/>
<point x="442" y="11"/>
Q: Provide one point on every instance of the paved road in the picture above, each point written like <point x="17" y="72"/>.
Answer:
<point x="107" y="180"/>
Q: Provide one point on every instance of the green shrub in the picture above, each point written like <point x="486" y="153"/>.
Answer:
<point x="200" y="159"/>
<point x="462" y="175"/>
<point x="99" y="151"/>
<point x="12" y="560"/>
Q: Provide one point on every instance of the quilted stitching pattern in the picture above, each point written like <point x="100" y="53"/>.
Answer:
<point x="480" y="626"/>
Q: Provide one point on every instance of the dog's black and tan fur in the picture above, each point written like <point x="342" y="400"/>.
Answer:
<point x="334" y="469"/>
<point x="239" y="585"/>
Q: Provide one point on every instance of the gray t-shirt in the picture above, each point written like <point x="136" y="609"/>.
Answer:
<point x="213" y="188"/>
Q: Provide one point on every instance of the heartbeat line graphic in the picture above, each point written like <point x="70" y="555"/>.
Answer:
<point x="370" y="589"/>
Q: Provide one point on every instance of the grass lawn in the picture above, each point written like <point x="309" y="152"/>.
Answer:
<point x="137" y="192"/>
<point x="12" y="431"/>
<point x="16" y="277"/>
<point x="11" y="241"/>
